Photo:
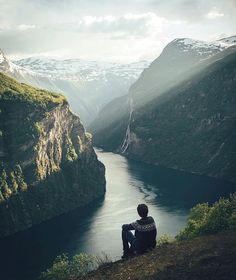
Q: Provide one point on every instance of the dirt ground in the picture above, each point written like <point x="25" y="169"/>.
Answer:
<point x="211" y="257"/>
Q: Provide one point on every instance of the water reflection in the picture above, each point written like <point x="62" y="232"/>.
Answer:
<point x="174" y="190"/>
<point x="33" y="250"/>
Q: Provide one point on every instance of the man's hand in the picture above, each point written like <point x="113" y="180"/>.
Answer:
<point x="126" y="227"/>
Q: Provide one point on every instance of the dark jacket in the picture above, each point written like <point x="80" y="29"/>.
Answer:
<point x="145" y="233"/>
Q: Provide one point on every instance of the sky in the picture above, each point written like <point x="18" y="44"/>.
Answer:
<point x="109" y="30"/>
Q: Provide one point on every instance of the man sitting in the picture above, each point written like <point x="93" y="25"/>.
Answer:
<point x="144" y="238"/>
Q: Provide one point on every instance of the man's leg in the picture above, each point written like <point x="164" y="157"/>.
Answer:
<point x="127" y="237"/>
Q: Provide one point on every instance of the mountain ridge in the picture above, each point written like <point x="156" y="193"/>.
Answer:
<point x="150" y="136"/>
<point x="88" y="85"/>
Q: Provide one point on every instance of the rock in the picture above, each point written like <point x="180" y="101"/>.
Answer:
<point x="48" y="164"/>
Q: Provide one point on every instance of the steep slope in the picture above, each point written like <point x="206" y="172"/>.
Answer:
<point x="110" y="126"/>
<point x="40" y="80"/>
<point x="92" y="83"/>
<point x="206" y="258"/>
<point x="48" y="165"/>
<point x="180" y="60"/>
<point x="193" y="129"/>
<point x="183" y="120"/>
<point x="24" y="75"/>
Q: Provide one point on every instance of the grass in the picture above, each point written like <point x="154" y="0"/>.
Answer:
<point x="203" y="220"/>
<point x="13" y="90"/>
<point x="207" y="257"/>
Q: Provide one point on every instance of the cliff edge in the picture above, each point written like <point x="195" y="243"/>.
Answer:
<point x="47" y="162"/>
<point x="208" y="257"/>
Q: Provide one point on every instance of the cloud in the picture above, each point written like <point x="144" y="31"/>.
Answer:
<point x="24" y="27"/>
<point x="106" y="30"/>
<point x="214" y="13"/>
<point x="130" y="24"/>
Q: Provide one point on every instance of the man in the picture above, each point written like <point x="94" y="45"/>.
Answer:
<point x="145" y="234"/>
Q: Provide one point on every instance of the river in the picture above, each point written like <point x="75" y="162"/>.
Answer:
<point x="96" y="228"/>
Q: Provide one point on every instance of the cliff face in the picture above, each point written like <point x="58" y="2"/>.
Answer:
<point x="193" y="130"/>
<point x="184" y="120"/>
<point x="110" y="126"/>
<point x="180" y="61"/>
<point x="48" y="165"/>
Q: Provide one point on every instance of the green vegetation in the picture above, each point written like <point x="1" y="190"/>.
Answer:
<point x="13" y="90"/>
<point x="39" y="129"/>
<point x="187" y="127"/>
<point x="70" y="150"/>
<point x="11" y="181"/>
<point x="65" y="269"/>
<point x="205" y="219"/>
<point x="4" y="188"/>
<point x="165" y="239"/>
<point x="36" y="181"/>
<point x="19" y="178"/>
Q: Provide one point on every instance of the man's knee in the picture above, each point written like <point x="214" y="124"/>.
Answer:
<point x="124" y="232"/>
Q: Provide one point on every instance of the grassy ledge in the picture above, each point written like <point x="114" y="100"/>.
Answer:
<point x="13" y="90"/>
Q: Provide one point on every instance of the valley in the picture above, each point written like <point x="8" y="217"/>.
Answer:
<point x="183" y="112"/>
<point x="164" y="132"/>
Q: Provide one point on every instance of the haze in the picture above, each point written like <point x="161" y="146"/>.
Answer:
<point x="103" y="30"/>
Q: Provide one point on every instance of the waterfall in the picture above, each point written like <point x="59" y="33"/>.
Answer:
<point x="127" y="139"/>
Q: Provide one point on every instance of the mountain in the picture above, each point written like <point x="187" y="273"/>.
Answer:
<point x="48" y="165"/>
<point x="181" y="111"/>
<point x="91" y="83"/>
<point x="22" y="74"/>
<point x="82" y="70"/>
<point x="180" y="59"/>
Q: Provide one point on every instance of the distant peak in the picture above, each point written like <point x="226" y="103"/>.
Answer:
<point x="228" y="41"/>
<point x="2" y="56"/>
<point x="197" y="43"/>
<point x="203" y="47"/>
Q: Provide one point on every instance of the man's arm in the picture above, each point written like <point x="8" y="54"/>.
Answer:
<point x="126" y="227"/>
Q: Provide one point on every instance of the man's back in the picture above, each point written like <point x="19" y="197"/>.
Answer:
<point x="145" y="233"/>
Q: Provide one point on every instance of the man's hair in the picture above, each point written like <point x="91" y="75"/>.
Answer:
<point x="142" y="210"/>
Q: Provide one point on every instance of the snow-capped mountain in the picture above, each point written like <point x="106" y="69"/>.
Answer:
<point x="177" y="61"/>
<point x="203" y="47"/>
<point x="24" y="75"/>
<point x="88" y="85"/>
<point x="95" y="83"/>
<point x="12" y="69"/>
<point x="200" y="46"/>
<point x="36" y="79"/>
<point x="180" y="61"/>
<point x="81" y="70"/>
<point x="200" y="49"/>
<point x="227" y="42"/>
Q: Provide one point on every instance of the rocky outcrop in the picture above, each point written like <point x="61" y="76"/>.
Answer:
<point x="48" y="165"/>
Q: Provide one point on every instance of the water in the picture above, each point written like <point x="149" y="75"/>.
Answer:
<point x="96" y="228"/>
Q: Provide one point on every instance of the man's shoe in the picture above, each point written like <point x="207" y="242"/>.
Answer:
<point x="127" y="255"/>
